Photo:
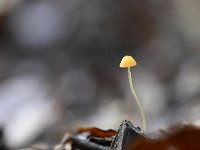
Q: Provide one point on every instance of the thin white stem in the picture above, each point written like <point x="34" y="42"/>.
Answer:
<point x="137" y="99"/>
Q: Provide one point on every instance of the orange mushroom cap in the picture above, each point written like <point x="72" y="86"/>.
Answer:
<point x="127" y="61"/>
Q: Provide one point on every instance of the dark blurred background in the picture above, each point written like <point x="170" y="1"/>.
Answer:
<point x="59" y="65"/>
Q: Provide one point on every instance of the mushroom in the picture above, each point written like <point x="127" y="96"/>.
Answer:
<point x="128" y="62"/>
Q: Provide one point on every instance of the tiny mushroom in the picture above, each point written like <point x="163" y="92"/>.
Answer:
<point x="128" y="62"/>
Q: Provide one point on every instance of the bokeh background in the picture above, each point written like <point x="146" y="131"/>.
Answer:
<point x="59" y="66"/>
